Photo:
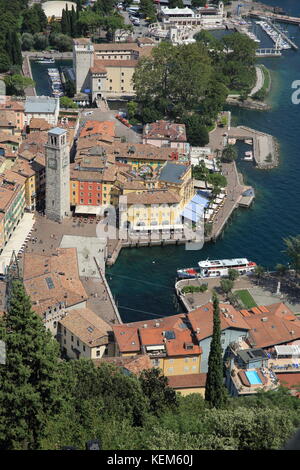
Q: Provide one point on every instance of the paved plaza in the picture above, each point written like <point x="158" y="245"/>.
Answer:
<point x="88" y="249"/>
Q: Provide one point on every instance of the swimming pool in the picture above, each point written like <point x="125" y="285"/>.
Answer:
<point x="253" y="377"/>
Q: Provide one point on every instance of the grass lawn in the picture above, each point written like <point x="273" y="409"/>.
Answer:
<point x="246" y="298"/>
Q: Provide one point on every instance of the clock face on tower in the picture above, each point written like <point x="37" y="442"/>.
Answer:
<point x="52" y="163"/>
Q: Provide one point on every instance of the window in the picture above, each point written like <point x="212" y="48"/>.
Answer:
<point x="155" y="362"/>
<point x="54" y="324"/>
<point x="186" y="359"/>
<point x="65" y="341"/>
<point x="122" y="88"/>
<point x="171" y="361"/>
<point x="77" y="342"/>
<point x="193" y="367"/>
<point x="81" y="194"/>
<point x="122" y="81"/>
<point x="74" y="193"/>
<point x="90" y="194"/>
<point x="98" y="201"/>
<point x="110" y="81"/>
<point x="194" y="359"/>
<point x="97" y="353"/>
<point x="90" y="201"/>
<point x="171" y="369"/>
<point x="83" y="347"/>
<point x="72" y="338"/>
<point x="65" y="332"/>
<point x="186" y="369"/>
<point x="122" y="74"/>
<point x="81" y="201"/>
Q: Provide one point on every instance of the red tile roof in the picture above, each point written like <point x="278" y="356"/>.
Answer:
<point x="202" y="319"/>
<point x="187" y="381"/>
<point x="165" y="130"/>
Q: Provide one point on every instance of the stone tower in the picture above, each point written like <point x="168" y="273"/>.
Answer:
<point x="83" y="60"/>
<point x="57" y="175"/>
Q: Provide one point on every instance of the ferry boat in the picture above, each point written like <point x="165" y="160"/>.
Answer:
<point x="46" y="60"/>
<point x="217" y="268"/>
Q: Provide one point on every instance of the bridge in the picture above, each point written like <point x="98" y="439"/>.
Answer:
<point x="268" y="52"/>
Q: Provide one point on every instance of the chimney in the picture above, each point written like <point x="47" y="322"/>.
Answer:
<point x="145" y="325"/>
<point x="264" y="319"/>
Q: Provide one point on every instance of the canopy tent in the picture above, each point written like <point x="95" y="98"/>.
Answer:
<point x="292" y="350"/>
<point x="88" y="210"/>
<point x="195" y="208"/>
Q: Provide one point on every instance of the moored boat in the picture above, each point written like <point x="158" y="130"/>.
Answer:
<point x="217" y="268"/>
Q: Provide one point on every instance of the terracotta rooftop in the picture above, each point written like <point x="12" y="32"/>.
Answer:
<point x="12" y="105"/>
<point x="134" y="364"/>
<point x="202" y="319"/>
<point x="87" y="326"/>
<point x="39" y="124"/>
<point x="7" y="118"/>
<point x="165" y="130"/>
<point x="153" y="197"/>
<point x="93" y="128"/>
<point x="187" y="381"/>
<point x="23" y="167"/>
<point x="50" y="280"/>
<point x="132" y="336"/>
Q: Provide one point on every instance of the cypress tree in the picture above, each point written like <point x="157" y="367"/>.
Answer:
<point x="29" y="382"/>
<point x="64" y="22"/>
<point x="73" y="22"/>
<point x="215" y="392"/>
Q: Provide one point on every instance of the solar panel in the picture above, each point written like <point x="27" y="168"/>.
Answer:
<point x="49" y="283"/>
<point x="170" y="334"/>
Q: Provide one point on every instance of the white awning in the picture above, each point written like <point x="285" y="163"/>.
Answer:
<point x="292" y="350"/>
<point x="88" y="210"/>
<point x="143" y="228"/>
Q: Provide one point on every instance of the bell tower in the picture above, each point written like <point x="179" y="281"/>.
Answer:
<point x="57" y="175"/>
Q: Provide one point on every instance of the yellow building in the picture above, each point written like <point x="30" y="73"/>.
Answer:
<point x="178" y="178"/>
<point x="154" y="209"/>
<point x="168" y="342"/>
<point x="23" y="168"/>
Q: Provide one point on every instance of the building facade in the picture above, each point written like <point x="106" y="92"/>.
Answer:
<point x="57" y="175"/>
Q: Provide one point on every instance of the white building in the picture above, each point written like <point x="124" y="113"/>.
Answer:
<point x="207" y="16"/>
<point x="43" y="107"/>
<point x="55" y="8"/>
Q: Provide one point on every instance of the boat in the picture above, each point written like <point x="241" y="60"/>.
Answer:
<point x="216" y="268"/>
<point x="46" y="60"/>
<point x="249" y="156"/>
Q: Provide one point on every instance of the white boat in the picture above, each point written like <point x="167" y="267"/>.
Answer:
<point x="46" y="60"/>
<point x="217" y="268"/>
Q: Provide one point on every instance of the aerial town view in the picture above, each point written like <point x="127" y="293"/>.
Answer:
<point x="149" y="227"/>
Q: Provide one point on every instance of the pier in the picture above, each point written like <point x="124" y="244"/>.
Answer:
<point x="268" y="52"/>
<point x="275" y="16"/>
<point x="283" y="35"/>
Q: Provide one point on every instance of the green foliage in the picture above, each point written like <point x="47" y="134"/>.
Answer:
<point x="147" y="9"/>
<point x="215" y="392"/>
<point x="246" y="298"/>
<point x="40" y="41"/>
<point x="176" y="4"/>
<point x="229" y="154"/>
<point x="155" y="388"/>
<point x="233" y="274"/>
<point x="29" y="380"/>
<point x="197" y="133"/>
<point x="259" y="271"/>
<point x="292" y="250"/>
<point x="70" y="88"/>
<point x="190" y="289"/>
<point x="4" y="62"/>
<point x="66" y="102"/>
<point x="226" y="285"/>
<point x="16" y="84"/>
<point x="62" y="42"/>
<point x="27" y="41"/>
<point x="281" y="269"/>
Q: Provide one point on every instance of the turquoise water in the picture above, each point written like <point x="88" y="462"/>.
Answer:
<point x="253" y="377"/>
<point x="143" y="279"/>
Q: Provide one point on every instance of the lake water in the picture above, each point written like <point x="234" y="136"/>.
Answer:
<point x="142" y="280"/>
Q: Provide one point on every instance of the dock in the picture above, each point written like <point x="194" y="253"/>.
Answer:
<point x="283" y="35"/>
<point x="275" y="16"/>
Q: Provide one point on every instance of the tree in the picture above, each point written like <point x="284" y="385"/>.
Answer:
<point x="132" y="107"/>
<point x="29" y="383"/>
<point x="40" y="41"/>
<point x="147" y="9"/>
<point x="281" y="269"/>
<point x="233" y="274"/>
<point x="27" y="41"/>
<point x="259" y="272"/>
<point x="4" y="62"/>
<point x="229" y="154"/>
<point x="174" y="79"/>
<point x="226" y="285"/>
<point x="156" y="389"/>
<point x="16" y="84"/>
<point x="66" y="102"/>
<point x="292" y="245"/>
<point x="70" y="88"/>
<point x="197" y="133"/>
<point x="198" y="3"/>
<point x="215" y="393"/>
<point x="176" y="4"/>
